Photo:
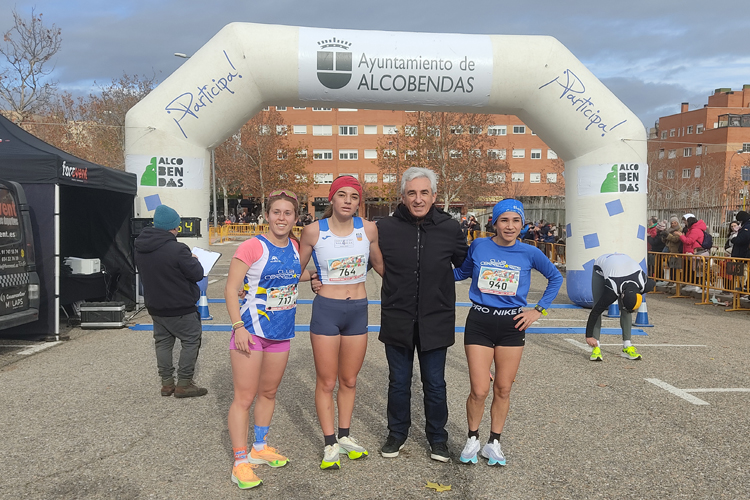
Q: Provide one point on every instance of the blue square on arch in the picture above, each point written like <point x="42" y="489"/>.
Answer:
<point x="614" y="207"/>
<point x="642" y="233"/>
<point x="591" y="240"/>
<point x="568" y="232"/>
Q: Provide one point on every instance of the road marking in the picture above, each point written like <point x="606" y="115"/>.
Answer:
<point x="211" y="282"/>
<point x="39" y="347"/>
<point x="737" y="389"/>
<point x="580" y="345"/>
<point x="677" y="392"/>
<point x="587" y="348"/>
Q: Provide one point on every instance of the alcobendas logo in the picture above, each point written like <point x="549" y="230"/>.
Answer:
<point x="622" y="178"/>
<point x="334" y="63"/>
<point x="164" y="172"/>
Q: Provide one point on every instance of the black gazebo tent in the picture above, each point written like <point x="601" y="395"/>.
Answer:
<point x="78" y="209"/>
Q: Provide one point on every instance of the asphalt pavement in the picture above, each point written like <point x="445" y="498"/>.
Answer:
<point x="83" y="419"/>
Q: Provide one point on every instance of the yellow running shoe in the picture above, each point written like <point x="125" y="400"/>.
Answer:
<point x="630" y="353"/>
<point x="244" y="476"/>
<point x="353" y="450"/>
<point x="596" y="354"/>
<point x="267" y="456"/>
<point x="331" y="458"/>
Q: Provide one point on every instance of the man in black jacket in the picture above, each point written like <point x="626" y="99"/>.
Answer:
<point x="419" y="243"/>
<point x="169" y="272"/>
<point x="742" y="240"/>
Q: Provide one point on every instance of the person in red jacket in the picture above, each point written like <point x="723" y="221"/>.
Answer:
<point x="692" y="237"/>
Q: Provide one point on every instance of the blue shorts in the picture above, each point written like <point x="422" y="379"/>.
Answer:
<point x="338" y="316"/>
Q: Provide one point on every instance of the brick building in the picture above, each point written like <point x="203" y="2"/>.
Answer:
<point x="695" y="156"/>
<point x="345" y="141"/>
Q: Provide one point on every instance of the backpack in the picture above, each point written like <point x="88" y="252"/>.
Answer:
<point x="708" y="241"/>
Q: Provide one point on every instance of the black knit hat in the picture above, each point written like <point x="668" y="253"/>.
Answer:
<point x="742" y="216"/>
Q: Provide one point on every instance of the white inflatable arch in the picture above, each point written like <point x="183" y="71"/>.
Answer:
<point x="171" y="132"/>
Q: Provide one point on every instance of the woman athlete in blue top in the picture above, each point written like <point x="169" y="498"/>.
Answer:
<point x="500" y="269"/>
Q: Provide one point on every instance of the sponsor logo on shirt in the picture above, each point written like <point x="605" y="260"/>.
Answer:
<point x="501" y="264"/>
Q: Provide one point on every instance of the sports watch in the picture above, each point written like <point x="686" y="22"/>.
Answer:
<point x="541" y="309"/>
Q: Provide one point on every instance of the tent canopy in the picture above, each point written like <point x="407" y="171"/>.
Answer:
<point x="29" y="160"/>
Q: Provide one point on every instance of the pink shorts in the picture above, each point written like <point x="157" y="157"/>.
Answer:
<point x="263" y="344"/>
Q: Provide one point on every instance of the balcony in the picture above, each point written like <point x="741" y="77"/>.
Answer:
<point x="734" y="120"/>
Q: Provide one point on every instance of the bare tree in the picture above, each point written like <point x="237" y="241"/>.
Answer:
<point x="28" y="48"/>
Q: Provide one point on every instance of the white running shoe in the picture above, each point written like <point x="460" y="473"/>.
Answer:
<point x="331" y="458"/>
<point x="351" y="448"/>
<point x="469" y="453"/>
<point x="493" y="453"/>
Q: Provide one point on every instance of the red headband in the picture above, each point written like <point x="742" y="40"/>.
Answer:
<point x="344" y="181"/>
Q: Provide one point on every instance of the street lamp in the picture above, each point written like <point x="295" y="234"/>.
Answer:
<point x="213" y="162"/>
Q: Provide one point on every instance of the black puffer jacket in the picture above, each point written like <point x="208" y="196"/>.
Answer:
<point x="418" y="284"/>
<point x="169" y="273"/>
<point x="742" y="241"/>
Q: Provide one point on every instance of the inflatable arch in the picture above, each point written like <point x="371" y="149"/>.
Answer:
<point x="244" y="67"/>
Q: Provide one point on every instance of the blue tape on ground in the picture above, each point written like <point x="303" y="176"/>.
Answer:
<point x="377" y="303"/>
<point x="546" y="330"/>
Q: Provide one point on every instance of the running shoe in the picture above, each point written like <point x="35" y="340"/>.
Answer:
<point x="630" y="353"/>
<point x="267" y="456"/>
<point x="351" y="448"/>
<point x="392" y="447"/>
<point x="493" y="453"/>
<point x="331" y="458"/>
<point x="469" y="453"/>
<point x="596" y="354"/>
<point x="244" y="476"/>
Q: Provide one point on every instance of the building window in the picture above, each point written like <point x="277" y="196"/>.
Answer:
<point x="371" y="129"/>
<point x="356" y="176"/>
<point x="697" y="171"/>
<point x="687" y="152"/>
<point x="699" y="128"/>
<point x="280" y="108"/>
<point x="532" y="132"/>
<point x="496" y="178"/>
<point x="371" y="154"/>
<point x="295" y="107"/>
<point x="300" y="177"/>
<point x="551" y="155"/>
<point x="671" y="133"/>
<point x="551" y="178"/>
<point x="659" y="175"/>
<point x="281" y="154"/>
<point x="300" y="129"/>
<point x="690" y="129"/>
<point x="670" y="174"/>
<point x="536" y="154"/>
<point x="455" y="154"/>
<point x="321" y="109"/>
<point x="519" y="129"/>
<point x="387" y="178"/>
<point x="280" y="129"/>
<point x="371" y="178"/>
<point x="746" y="147"/>
<point x="432" y="154"/>
<point x="686" y="173"/>
<point x="322" y="154"/>
<point x="389" y="153"/>
<point x="264" y="129"/>
<point x="348" y="109"/>
<point x="266" y="108"/>
<point x="457" y="129"/>
<point x="663" y="134"/>
<point x="519" y="153"/>
<point x="497" y="130"/>
<point x="475" y="130"/>
<point x="699" y="150"/>
<point x="302" y="153"/>
<point x="535" y="178"/>
<point x="322" y="129"/>
<point x="433" y="131"/>
<point x="661" y="154"/>
<point x="348" y="154"/>
<point x="410" y="155"/>
<point x="410" y="130"/>
<point x="390" y="129"/>
<point x="672" y="154"/>
<point x="496" y="154"/>
<point x="516" y="177"/>
<point x="323" y="178"/>
<point x="347" y="130"/>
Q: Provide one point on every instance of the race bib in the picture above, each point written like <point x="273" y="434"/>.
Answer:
<point x="281" y="298"/>
<point x="347" y="268"/>
<point x="498" y="281"/>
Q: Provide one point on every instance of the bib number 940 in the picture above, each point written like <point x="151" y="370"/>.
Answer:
<point x="497" y="281"/>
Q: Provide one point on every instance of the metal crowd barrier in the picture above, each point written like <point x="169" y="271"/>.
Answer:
<point x="709" y="273"/>
<point x="228" y="232"/>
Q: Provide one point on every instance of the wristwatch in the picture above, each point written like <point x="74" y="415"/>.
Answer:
<point x="541" y="309"/>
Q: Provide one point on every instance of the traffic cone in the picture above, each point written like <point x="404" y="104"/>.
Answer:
<point x="203" y="301"/>
<point x="641" y="318"/>
<point x="613" y="311"/>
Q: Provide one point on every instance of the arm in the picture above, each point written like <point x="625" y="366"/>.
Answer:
<point x="460" y="250"/>
<point x="235" y="278"/>
<point x="376" y="257"/>
<point x="554" y="279"/>
<point x="466" y="268"/>
<point x="307" y="242"/>
<point x="189" y="264"/>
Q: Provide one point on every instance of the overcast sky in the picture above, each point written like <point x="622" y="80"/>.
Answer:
<point x="652" y="55"/>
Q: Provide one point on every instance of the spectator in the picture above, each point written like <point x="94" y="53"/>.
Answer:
<point x="672" y="236"/>
<point x="525" y="232"/>
<point x="693" y="236"/>
<point x="464" y="226"/>
<point x="489" y="228"/>
<point x="651" y="233"/>
<point x="734" y="227"/>
<point x="742" y="240"/>
<point x="656" y="242"/>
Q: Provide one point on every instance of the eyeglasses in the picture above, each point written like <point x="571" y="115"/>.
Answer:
<point x="283" y="192"/>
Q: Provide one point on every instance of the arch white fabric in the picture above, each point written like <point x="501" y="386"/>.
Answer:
<point x="244" y="67"/>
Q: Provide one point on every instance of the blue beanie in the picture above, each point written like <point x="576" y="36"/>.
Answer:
<point x="166" y="218"/>
<point x="507" y="205"/>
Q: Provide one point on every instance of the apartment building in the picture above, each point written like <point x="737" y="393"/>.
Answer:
<point x="345" y="141"/>
<point x="701" y="150"/>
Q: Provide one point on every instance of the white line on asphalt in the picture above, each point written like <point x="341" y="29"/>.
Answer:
<point x="16" y="346"/>
<point x="677" y="392"/>
<point x="662" y="345"/>
<point x="738" y="389"/>
<point x="211" y="282"/>
<point x="37" y="348"/>
<point x="580" y="345"/>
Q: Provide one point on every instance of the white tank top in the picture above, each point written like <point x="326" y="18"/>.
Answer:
<point x="341" y="259"/>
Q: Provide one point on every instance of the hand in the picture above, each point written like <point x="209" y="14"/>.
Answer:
<point x="241" y="294"/>
<point x="591" y="341"/>
<point x="242" y="339"/>
<point x="315" y="283"/>
<point x="526" y="318"/>
<point x="194" y="255"/>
